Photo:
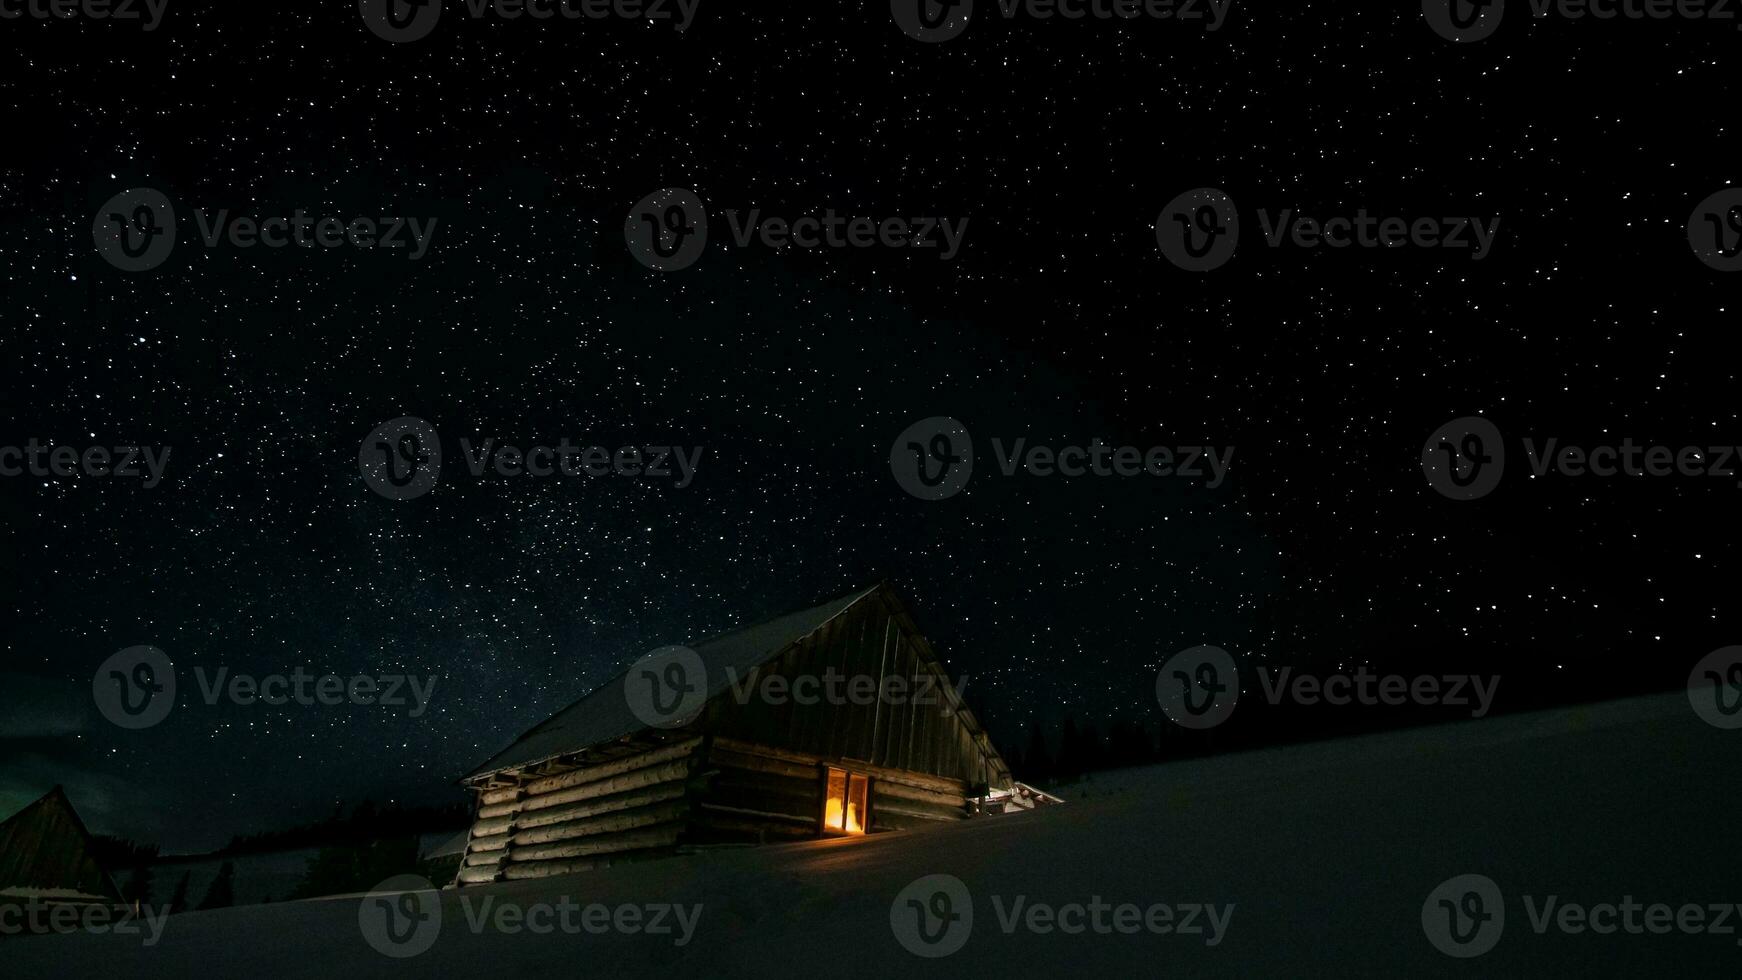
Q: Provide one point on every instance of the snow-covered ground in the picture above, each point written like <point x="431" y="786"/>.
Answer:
<point x="258" y="877"/>
<point x="1327" y="853"/>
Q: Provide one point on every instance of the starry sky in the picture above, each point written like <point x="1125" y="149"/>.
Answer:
<point x="1060" y="321"/>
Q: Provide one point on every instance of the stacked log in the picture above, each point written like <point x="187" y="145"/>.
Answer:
<point x="752" y="795"/>
<point x="900" y="806"/>
<point x="569" y="821"/>
<point x="758" y="792"/>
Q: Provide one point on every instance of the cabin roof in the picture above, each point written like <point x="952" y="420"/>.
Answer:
<point x="46" y="851"/>
<point x="604" y="713"/>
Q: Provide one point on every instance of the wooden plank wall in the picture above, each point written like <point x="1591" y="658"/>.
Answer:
<point x="894" y="733"/>
<point x="760" y="793"/>
<point x="581" y="818"/>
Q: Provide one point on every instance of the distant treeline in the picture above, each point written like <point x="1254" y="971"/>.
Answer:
<point x="367" y="822"/>
<point x="119" y="852"/>
<point x="1062" y="751"/>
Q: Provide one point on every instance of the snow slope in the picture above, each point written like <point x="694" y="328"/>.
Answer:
<point x="1327" y="851"/>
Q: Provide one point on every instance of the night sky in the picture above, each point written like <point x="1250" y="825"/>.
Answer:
<point x="1060" y="321"/>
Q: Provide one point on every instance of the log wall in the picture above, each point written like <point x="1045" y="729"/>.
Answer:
<point x="750" y="792"/>
<point x="922" y="726"/>
<point x="581" y="818"/>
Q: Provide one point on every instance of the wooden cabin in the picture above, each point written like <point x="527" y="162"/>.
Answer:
<point x="597" y="784"/>
<point x="47" y="857"/>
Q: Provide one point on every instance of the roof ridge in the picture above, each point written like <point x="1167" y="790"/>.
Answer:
<point x="840" y="605"/>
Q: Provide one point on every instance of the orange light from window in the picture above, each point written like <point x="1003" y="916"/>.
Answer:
<point x="856" y="789"/>
<point x="844" y="808"/>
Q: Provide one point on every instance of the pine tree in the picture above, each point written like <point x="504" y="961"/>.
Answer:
<point x="1070" y="761"/>
<point x="178" y="899"/>
<point x="222" y="894"/>
<point x="1036" y="764"/>
<point x="139" y="885"/>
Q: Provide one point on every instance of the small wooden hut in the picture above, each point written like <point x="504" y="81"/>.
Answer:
<point x="47" y="856"/>
<point x="597" y="783"/>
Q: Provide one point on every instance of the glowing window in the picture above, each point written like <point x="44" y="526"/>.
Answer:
<point x="844" y="808"/>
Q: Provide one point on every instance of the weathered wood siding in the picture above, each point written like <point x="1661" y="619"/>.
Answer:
<point x="580" y="818"/>
<point x="871" y="641"/>
<point x="754" y="792"/>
